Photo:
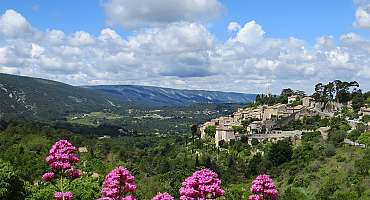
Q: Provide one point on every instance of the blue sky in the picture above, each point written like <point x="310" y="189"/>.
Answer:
<point x="304" y="19"/>
<point x="188" y="43"/>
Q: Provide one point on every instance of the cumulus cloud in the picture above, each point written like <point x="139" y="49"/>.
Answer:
<point x="362" y="17"/>
<point x="233" y="26"/>
<point x="131" y="14"/>
<point x="183" y="54"/>
<point x="251" y="34"/>
<point x="13" y="24"/>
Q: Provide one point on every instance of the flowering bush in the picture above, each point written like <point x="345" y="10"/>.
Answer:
<point x="163" y="196"/>
<point x="263" y="188"/>
<point x="117" y="184"/>
<point x="203" y="184"/>
<point x="61" y="160"/>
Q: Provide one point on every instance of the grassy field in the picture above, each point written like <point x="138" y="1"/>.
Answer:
<point x="92" y="119"/>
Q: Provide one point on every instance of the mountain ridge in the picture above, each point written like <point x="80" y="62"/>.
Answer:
<point x="29" y="97"/>
<point x="162" y="96"/>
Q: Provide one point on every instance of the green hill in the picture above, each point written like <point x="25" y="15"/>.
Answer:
<point x="28" y="97"/>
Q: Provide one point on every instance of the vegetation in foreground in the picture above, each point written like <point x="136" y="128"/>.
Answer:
<point x="311" y="169"/>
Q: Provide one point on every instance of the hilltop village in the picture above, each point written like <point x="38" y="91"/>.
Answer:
<point x="260" y="122"/>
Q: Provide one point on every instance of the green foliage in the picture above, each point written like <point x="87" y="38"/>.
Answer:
<point x="330" y="150"/>
<point x="350" y="113"/>
<point x="159" y="163"/>
<point x="366" y="119"/>
<point x="364" y="139"/>
<point x="239" y="129"/>
<point x="12" y="187"/>
<point x="86" y="187"/>
<point x="210" y="131"/>
<point x="353" y="135"/>
<point x="280" y="152"/>
<point x="296" y="193"/>
<point x="358" y="100"/>
<point x="306" y="123"/>
<point x="311" y="137"/>
<point x="254" y="141"/>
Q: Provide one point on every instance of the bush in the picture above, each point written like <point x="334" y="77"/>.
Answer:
<point x="364" y="139"/>
<point x="280" y="152"/>
<point x="336" y="137"/>
<point x="330" y="150"/>
<point x="12" y="187"/>
<point x="296" y="193"/>
<point x="311" y="136"/>
<point x="353" y="135"/>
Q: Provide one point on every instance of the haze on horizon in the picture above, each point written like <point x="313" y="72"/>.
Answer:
<point x="239" y="46"/>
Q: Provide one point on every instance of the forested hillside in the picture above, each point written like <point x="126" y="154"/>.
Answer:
<point x="45" y="99"/>
<point x="310" y="169"/>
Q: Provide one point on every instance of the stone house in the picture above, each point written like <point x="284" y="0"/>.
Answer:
<point x="224" y="133"/>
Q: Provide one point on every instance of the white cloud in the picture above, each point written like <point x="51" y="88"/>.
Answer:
<point x="337" y="57"/>
<point x="3" y="55"/>
<point x="131" y="14"/>
<point x="251" y="34"/>
<point x="186" y="54"/>
<point x="174" y="38"/>
<point x="110" y="35"/>
<point x="12" y="24"/>
<point x="233" y="26"/>
<point x="55" y="36"/>
<point x="362" y="17"/>
<point x="36" y="50"/>
<point x="81" y="38"/>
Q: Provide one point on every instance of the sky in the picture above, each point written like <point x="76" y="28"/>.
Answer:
<point x="240" y="45"/>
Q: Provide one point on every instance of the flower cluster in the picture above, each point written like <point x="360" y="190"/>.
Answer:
<point x="118" y="183"/>
<point x="73" y="173"/>
<point x="163" y="196"/>
<point x="62" y="156"/>
<point x="63" y="195"/>
<point x="203" y="184"/>
<point x="48" y="176"/>
<point x="263" y="188"/>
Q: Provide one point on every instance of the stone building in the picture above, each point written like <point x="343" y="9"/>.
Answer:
<point x="224" y="133"/>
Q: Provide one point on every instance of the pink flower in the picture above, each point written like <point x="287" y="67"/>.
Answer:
<point x="263" y="188"/>
<point x="118" y="183"/>
<point x="62" y="155"/>
<point x="60" y="195"/>
<point x="163" y="196"/>
<point x="130" y="197"/>
<point x="74" y="173"/>
<point x="255" y="197"/>
<point x="203" y="184"/>
<point x="48" y="176"/>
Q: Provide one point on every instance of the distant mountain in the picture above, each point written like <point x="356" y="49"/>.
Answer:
<point x="36" y="98"/>
<point x="28" y="97"/>
<point x="157" y="96"/>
